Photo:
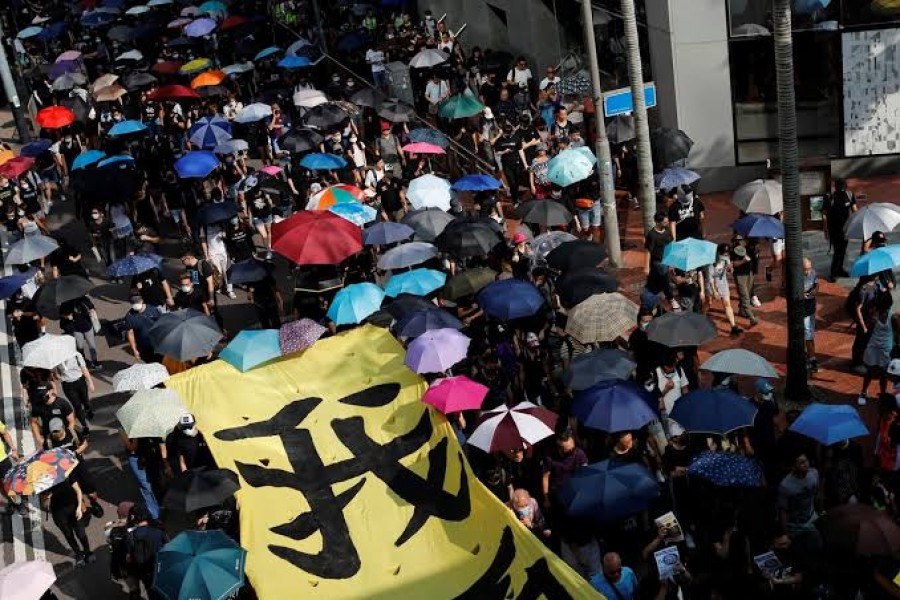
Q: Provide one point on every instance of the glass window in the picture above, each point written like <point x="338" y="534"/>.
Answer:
<point x="753" y="18"/>
<point x="869" y="12"/>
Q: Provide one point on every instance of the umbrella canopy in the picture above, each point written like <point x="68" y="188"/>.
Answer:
<point x="428" y="58"/>
<point x="300" y="140"/>
<point x="356" y="213"/>
<point x="48" y="351"/>
<point x="860" y="530"/>
<point x="26" y="580"/>
<point x="418" y="322"/>
<point x="405" y="304"/>
<point x="299" y="335"/>
<point x="407" y="255"/>
<point x="325" y="116"/>
<point x="335" y="194"/>
<point x="429" y="191"/>
<point x="603" y="364"/>
<point x="209" y="132"/>
<point x="574" y="287"/>
<point x="30" y="249"/>
<point x="738" y="361"/>
<point x="876" y="261"/>
<point x="608" y="491"/>
<point x="67" y="81"/>
<point x="621" y="129"/>
<point x="151" y="413"/>
<point x="464" y="238"/>
<point x="29" y="32"/>
<point x="185" y="334"/>
<point x="547" y="242"/>
<point x="716" y="411"/>
<point x="232" y="146"/>
<point x="196" y="489"/>
<point x="477" y="183"/>
<point x="869" y="219"/>
<point x="468" y="282"/>
<point x="367" y="97"/>
<point x="674" y="177"/>
<point x="575" y="254"/>
<point x="172" y="92"/>
<point x="217" y="212"/>
<point x="39" y="472"/>
<point x="614" y="405"/>
<point x="202" y="565"/>
<point x="253" y="113"/>
<point x="423" y="148"/>
<point x="681" y="329"/>
<point x="505" y="428"/>
<point x="420" y="282"/>
<point x="388" y="232"/>
<point x="13" y="283"/>
<point x="54" y="117"/>
<point x="602" y="318"/>
<point x="436" y="351"/>
<point x="316" y="238"/>
<point x="142" y="376"/>
<point x="689" y="254"/>
<point x="509" y="299"/>
<point x="726" y="469"/>
<point x="759" y="226"/>
<point x="309" y="98"/>
<point x="167" y="67"/>
<point x="251" y="348"/>
<point x="546" y="213"/>
<point x="669" y="146"/>
<point x="431" y="136"/>
<point x="461" y="106"/>
<point x="199" y="27"/>
<point x="267" y="52"/>
<point x="763" y="196"/>
<point x="568" y="167"/>
<point x="829" y="424"/>
<point x="196" y="165"/>
<point x="248" y="271"/>
<point x="455" y="394"/>
<point x="322" y="162"/>
<point x="427" y="224"/>
<point x="355" y="302"/>
<point x="395" y="111"/>
<point x="126" y="128"/>
<point x="51" y="295"/>
<point x="16" y="167"/>
<point x="208" y="78"/>
<point x="110" y="94"/>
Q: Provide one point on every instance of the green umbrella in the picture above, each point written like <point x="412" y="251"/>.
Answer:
<point x="151" y="413"/>
<point x="460" y="107"/>
<point x="200" y="565"/>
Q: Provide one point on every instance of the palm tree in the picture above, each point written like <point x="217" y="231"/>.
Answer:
<point x="796" y="386"/>
<point x="646" y="191"/>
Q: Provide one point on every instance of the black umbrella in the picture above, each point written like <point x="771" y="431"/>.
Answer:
<point x="468" y="283"/>
<point x="181" y="42"/>
<point x="274" y="186"/>
<point x="395" y="111"/>
<point x="216" y="212"/>
<point x="428" y="223"/>
<point x="367" y="97"/>
<point x="139" y="80"/>
<point x="574" y="287"/>
<point x="185" y="334"/>
<point x="119" y="33"/>
<point x="465" y="239"/>
<point x="380" y="318"/>
<point x="247" y="271"/>
<point x="211" y="91"/>
<point x="669" y="146"/>
<point x="577" y="254"/>
<point x="300" y="140"/>
<point x="50" y="296"/>
<point x="547" y="213"/>
<point x="681" y="329"/>
<point x="621" y="129"/>
<point x="405" y="304"/>
<point x="326" y="116"/>
<point x="416" y="323"/>
<point x="598" y="365"/>
<point x="77" y="106"/>
<point x="200" y="488"/>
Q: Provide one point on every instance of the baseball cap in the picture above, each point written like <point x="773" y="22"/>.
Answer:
<point x="188" y="424"/>
<point x="56" y="424"/>
<point x="893" y="367"/>
<point x="519" y="238"/>
<point x="765" y="388"/>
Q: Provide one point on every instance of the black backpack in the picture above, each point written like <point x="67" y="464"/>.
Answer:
<point x="143" y="550"/>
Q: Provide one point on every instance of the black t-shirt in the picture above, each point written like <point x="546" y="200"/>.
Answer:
<point x="490" y="93"/>
<point x="263" y="291"/>
<point x="655" y="242"/>
<point x="193" y="299"/>
<point x="239" y="242"/>
<point x="178" y="445"/>
<point x="77" y="315"/>
<point x="63" y="497"/>
<point x="7" y="192"/>
<point x="150" y="286"/>
<point x="510" y="144"/>
<point x="525" y="137"/>
<point x="687" y="218"/>
<point x="838" y="207"/>
<point x="44" y="412"/>
<point x="388" y="190"/>
<point x="741" y="267"/>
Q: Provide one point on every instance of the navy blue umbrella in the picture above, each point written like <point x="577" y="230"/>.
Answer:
<point x="603" y="364"/>
<point x="759" y="226"/>
<point x="12" y="284"/>
<point x="726" y="469"/>
<point x="354" y="40"/>
<point x="216" y="212"/>
<point x="429" y="136"/>
<point x="247" y="271"/>
<point x="615" y="405"/>
<point x="52" y="31"/>
<point x="608" y="491"/>
<point x="416" y="323"/>
<point x="477" y="183"/>
<point x="132" y="265"/>
<point x="510" y="299"/>
<point x="713" y="411"/>
<point x="36" y="148"/>
<point x="386" y="232"/>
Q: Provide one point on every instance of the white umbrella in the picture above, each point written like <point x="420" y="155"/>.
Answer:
<point x="427" y="58"/>
<point x="134" y="55"/>
<point x="429" y="191"/>
<point x="137" y="10"/>
<point x="141" y="376"/>
<point x="238" y="68"/>
<point x="151" y="413"/>
<point x="880" y="216"/>
<point x="407" y="255"/>
<point x="309" y="98"/>
<point x="738" y="361"/>
<point x="253" y="112"/>
<point x="231" y="146"/>
<point x="48" y="351"/>
<point x="26" y="580"/>
<point x="30" y="248"/>
<point x="763" y="196"/>
<point x="507" y="428"/>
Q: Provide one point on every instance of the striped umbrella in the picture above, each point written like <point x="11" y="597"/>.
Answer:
<point x="429" y="136"/>
<point x="209" y="132"/>
<point x="506" y="428"/>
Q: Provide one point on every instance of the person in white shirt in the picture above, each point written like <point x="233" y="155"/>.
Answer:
<point x="376" y="58"/>
<point x="376" y="174"/>
<point x="671" y="383"/>
<point x="520" y="73"/>
<point x="551" y="79"/>
<point x="435" y="92"/>
<point x="214" y="248"/>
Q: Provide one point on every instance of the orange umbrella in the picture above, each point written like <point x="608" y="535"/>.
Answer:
<point x="6" y="156"/>
<point x="208" y="78"/>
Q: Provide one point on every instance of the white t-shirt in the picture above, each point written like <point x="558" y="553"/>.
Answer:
<point x="519" y="75"/>
<point x="434" y="92"/>
<point x="358" y="151"/>
<point x="679" y="380"/>
<point x="376" y="59"/>
<point x="548" y="81"/>
<point x="373" y="177"/>
<point x="215" y="240"/>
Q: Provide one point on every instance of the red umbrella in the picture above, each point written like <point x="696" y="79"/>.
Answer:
<point x="173" y="92"/>
<point x="316" y="237"/>
<point x="505" y="428"/>
<point x="169" y="67"/>
<point x="15" y="167"/>
<point x="54" y="117"/>
<point x="232" y="22"/>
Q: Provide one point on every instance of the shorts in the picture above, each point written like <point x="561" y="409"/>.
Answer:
<point x="777" y="246"/>
<point x="50" y="176"/>
<point x="257" y="222"/>
<point x="591" y="217"/>
<point x="809" y="327"/>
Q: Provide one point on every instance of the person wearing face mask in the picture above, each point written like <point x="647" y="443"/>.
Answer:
<point x="643" y="350"/>
<point x="100" y="231"/>
<point x="356" y="153"/>
<point x="138" y="321"/>
<point x="190" y="296"/>
<point x="185" y="446"/>
<point x="718" y="283"/>
<point x="529" y="513"/>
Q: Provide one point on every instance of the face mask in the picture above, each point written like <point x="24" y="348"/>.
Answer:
<point x="353" y="140"/>
<point x="137" y="307"/>
<point x="186" y="288"/>
<point x="523" y="513"/>
<point x="68" y="139"/>
<point x="645" y="325"/>
<point x="95" y="216"/>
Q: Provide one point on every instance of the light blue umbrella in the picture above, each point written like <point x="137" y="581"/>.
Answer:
<point x="199" y="27"/>
<point x="356" y="213"/>
<point x="267" y="52"/>
<point x="238" y="68"/>
<point x="568" y="167"/>
<point x="419" y="282"/>
<point x="354" y="303"/>
<point x="87" y="158"/>
<point x="197" y="164"/>
<point x="251" y="348"/>
<point x="318" y="161"/>
<point x="213" y="7"/>
<point x="200" y="565"/>
<point x="118" y="159"/>
<point x="294" y="62"/>
<point x="674" y="177"/>
<point x="253" y="112"/>
<point x="126" y="128"/>
<point x="689" y="254"/>
<point x="876" y="261"/>
<point x="829" y="423"/>
<point x="153" y="3"/>
<point x="29" y="32"/>
<point x="209" y="132"/>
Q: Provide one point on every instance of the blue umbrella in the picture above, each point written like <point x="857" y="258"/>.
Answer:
<point x="132" y="265"/>
<point x="294" y="62"/>
<point x="199" y="27"/>
<point x="430" y="136"/>
<point x="35" y="148"/>
<point x="510" y="299"/>
<point x="12" y="284"/>
<point x="87" y="158"/>
<point x="354" y="303"/>
<point x="62" y="67"/>
<point x="29" y="32"/>
<point x="209" y="132"/>
<point x="358" y="214"/>
<point x="251" y="348"/>
<point x="322" y="162"/>
<point x="759" y="226"/>
<point x="354" y="40"/>
<point x="476" y="183"/>
<point x="615" y="405"/>
<point x="202" y="565"/>
<point x="126" y="128"/>
<point x="726" y="469"/>
<point x="829" y="423"/>
<point x="197" y="164"/>
<point x="52" y="31"/>
<point x="608" y="491"/>
<point x="216" y="212"/>
<point x="418" y="322"/>
<point x="810" y="6"/>
<point x="713" y="411"/>
<point x="674" y="177"/>
<point x="213" y="7"/>
<point x="118" y="159"/>
<point x="420" y="282"/>
<point x="97" y="18"/>
<point x="876" y="261"/>
<point x="568" y="167"/>
<point x="247" y="271"/>
<point x="267" y="52"/>
<point x="386" y="232"/>
<point x="689" y="254"/>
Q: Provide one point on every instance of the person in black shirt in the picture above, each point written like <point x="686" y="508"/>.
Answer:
<point x="267" y="300"/>
<point x="686" y="216"/>
<point x="185" y="446"/>
<point x="66" y="260"/>
<point x="744" y="273"/>
<point x="239" y="240"/>
<point x="189" y="295"/>
<point x="46" y="406"/>
<point x="655" y="243"/>
<point x="76" y="318"/>
<point x="65" y="502"/>
<point x="507" y="147"/>
<point x="836" y="210"/>
<point x="490" y="92"/>
<point x="154" y="289"/>
<point x="392" y="196"/>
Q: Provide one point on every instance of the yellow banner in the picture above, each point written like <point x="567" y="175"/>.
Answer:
<point x="353" y="488"/>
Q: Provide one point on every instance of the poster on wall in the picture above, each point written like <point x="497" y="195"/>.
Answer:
<point x="871" y="72"/>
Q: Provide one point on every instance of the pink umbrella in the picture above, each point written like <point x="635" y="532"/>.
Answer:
<point x="505" y="428"/>
<point x="453" y="394"/>
<point x="423" y="148"/>
<point x="68" y="55"/>
<point x="299" y="335"/>
<point x="272" y="170"/>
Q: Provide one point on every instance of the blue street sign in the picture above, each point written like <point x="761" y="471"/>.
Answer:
<point x="618" y="102"/>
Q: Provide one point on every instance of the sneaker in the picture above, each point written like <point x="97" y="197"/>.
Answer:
<point x="861" y="401"/>
<point x="96" y="510"/>
<point x="755" y="302"/>
<point x="231" y="294"/>
<point x="736" y="330"/>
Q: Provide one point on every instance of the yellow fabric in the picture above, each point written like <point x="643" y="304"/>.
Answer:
<point x="886" y="6"/>
<point x="3" y="451"/>
<point x="353" y="390"/>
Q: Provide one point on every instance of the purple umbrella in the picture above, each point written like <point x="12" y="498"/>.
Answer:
<point x="299" y="335"/>
<point x="200" y="27"/>
<point x="63" y="67"/>
<point x="436" y="351"/>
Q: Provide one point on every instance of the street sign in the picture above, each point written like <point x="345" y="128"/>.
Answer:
<point x="619" y="102"/>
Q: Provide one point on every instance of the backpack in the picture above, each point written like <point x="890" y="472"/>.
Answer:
<point x="143" y="550"/>
<point x="118" y="550"/>
<point x="206" y="268"/>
